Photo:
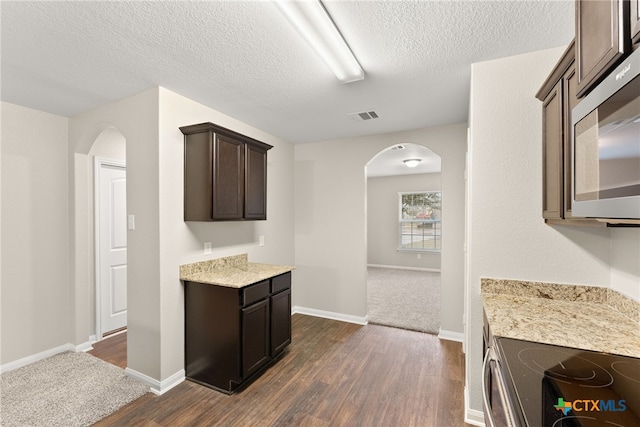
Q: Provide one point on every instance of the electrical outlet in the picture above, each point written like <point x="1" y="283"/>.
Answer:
<point x="261" y="240"/>
<point x="207" y="248"/>
<point x="419" y="256"/>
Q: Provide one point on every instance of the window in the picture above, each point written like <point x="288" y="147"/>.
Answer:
<point x="420" y="226"/>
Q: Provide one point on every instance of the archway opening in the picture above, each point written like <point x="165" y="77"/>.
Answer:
<point x="103" y="141"/>
<point x="108" y="200"/>
<point x="404" y="238"/>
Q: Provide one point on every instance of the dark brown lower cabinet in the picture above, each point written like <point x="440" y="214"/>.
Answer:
<point x="255" y="337"/>
<point x="232" y="335"/>
<point x="280" y="321"/>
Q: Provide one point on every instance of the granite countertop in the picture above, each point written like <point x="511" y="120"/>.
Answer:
<point x="584" y="317"/>
<point x="233" y="271"/>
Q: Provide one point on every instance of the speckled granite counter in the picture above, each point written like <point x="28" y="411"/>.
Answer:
<point x="584" y="317"/>
<point x="233" y="271"/>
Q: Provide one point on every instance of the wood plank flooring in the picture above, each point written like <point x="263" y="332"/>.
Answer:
<point x="112" y="350"/>
<point x="333" y="374"/>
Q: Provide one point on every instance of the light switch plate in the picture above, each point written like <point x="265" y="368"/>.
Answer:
<point x="131" y="222"/>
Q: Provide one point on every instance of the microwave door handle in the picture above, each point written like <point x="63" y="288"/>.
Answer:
<point x="486" y="373"/>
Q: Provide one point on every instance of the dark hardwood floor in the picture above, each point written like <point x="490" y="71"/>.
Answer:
<point x="333" y="374"/>
<point x="112" y="349"/>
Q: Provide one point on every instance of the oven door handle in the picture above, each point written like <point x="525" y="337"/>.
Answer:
<point x="486" y="374"/>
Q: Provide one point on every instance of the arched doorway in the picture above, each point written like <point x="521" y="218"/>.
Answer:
<point x="104" y="141"/>
<point x="404" y="237"/>
<point x="108" y="154"/>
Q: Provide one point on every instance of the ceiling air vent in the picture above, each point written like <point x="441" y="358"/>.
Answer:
<point x="365" y="115"/>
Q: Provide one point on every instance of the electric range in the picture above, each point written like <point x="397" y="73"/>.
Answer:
<point x="554" y="386"/>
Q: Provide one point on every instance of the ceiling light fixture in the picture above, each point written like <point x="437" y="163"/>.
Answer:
<point x="412" y="163"/>
<point x="313" y="22"/>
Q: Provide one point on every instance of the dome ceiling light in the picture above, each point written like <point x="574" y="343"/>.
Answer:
<point x="412" y="163"/>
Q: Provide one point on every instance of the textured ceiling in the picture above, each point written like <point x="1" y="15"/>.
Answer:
<point x="244" y="59"/>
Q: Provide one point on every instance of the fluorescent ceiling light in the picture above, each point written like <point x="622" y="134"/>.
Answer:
<point x="412" y="163"/>
<point x="315" y="25"/>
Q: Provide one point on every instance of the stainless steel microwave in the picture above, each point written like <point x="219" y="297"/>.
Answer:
<point x="606" y="146"/>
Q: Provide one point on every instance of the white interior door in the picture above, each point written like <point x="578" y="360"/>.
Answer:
<point x="111" y="244"/>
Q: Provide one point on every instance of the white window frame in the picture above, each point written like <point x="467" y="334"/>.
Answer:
<point x="436" y="225"/>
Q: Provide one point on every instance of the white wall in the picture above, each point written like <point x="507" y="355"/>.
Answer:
<point x="382" y="215"/>
<point x="330" y="220"/>
<point x="36" y="311"/>
<point x="136" y="118"/>
<point x="47" y="264"/>
<point x="162" y="240"/>
<point x="625" y="261"/>
<point x="182" y="242"/>
<point x="507" y="236"/>
<point x="110" y="144"/>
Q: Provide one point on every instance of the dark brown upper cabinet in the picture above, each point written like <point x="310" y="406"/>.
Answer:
<point x="634" y="20"/>
<point x="558" y="96"/>
<point x="552" y="142"/>
<point x="602" y="39"/>
<point x="556" y="107"/>
<point x="225" y="175"/>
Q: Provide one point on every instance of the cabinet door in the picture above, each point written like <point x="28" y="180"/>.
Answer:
<point x="280" y="321"/>
<point x="256" y="183"/>
<point x="634" y="21"/>
<point x="255" y="337"/>
<point x="552" y="141"/>
<point x="228" y="178"/>
<point x="570" y="82"/>
<point x="197" y="177"/>
<point x="600" y="39"/>
<point x="212" y="335"/>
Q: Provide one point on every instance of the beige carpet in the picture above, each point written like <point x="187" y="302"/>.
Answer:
<point x="405" y="299"/>
<point x="68" y="389"/>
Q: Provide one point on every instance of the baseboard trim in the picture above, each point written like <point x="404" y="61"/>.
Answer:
<point x="472" y="416"/>
<point x="84" y="347"/>
<point x="451" y="336"/>
<point x="38" y="356"/>
<point x="330" y="315"/>
<point x="157" y="387"/>
<point x="397" y="267"/>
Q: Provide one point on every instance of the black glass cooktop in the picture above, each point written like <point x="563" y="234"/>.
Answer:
<point x="566" y="387"/>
